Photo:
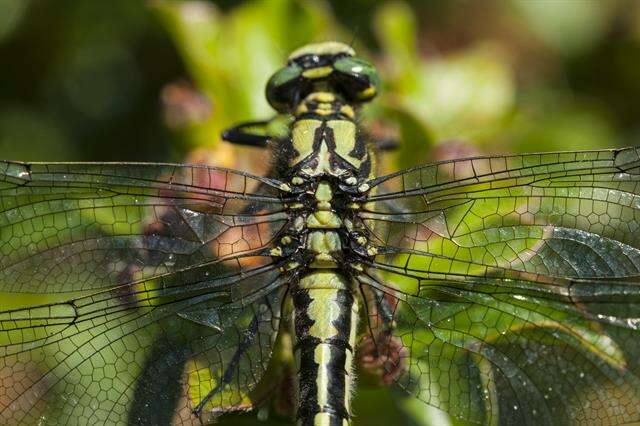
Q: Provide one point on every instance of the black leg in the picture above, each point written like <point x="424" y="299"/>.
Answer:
<point x="387" y="144"/>
<point x="250" y="133"/>
<point x="227" y="377"/>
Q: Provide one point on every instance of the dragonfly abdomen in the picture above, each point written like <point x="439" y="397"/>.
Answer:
<point x="325" y="321"/>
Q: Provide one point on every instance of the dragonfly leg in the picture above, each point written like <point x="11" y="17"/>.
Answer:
<point x="387" y="144"/>
<point x="248" y="338"/>
<point x="381" y="354"/>
<point x="241" y="134"/>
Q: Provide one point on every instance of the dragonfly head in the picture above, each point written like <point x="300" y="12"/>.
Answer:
<point x="329" y="66"/>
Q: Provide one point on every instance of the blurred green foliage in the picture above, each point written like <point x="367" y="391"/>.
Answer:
<point x="150" y="81"/>
<point x="156" y="80"/>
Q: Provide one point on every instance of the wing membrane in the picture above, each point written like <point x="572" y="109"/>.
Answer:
<point x="63" y="363"/>
<point x="70" y="227"/>
<point x="119" y="282"/>
<point x="497" y="357"/>
<point x="555" y="215"/>
<point x="515" y="284"/>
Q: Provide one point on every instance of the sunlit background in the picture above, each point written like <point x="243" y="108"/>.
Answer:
<point x="158" y="80"/>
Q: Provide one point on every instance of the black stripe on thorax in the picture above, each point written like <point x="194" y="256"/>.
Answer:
<point x="325" y="133"/>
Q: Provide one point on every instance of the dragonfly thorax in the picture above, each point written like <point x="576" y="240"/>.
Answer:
<point x="324" y="141"/>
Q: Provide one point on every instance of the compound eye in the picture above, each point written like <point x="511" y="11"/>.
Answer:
<point x="359" y="78"/>
<point x="282" y="87"/>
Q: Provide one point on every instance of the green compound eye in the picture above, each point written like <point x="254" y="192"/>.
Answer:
<point x="364" y="76"/>
<point x="354" y="78"/>
<point x="281" y="85"/>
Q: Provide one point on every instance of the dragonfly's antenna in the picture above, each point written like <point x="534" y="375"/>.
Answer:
<point x="279" y="48"/>
<point x="354" y="34"/>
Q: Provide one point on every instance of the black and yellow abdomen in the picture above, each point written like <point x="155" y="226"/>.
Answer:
<point x="325" y="322"/>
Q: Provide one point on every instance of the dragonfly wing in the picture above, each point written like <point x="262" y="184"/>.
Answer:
<point x="110" y="362"/>
<point x="128" y="288"/>
<point x="212" y="366"/>
<point x="72" y="227"/>
<point x="515" y="285"/>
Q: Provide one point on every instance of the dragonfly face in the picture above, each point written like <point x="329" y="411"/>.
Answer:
<point x="330" y="67"/>
<point x="504" y="290"/>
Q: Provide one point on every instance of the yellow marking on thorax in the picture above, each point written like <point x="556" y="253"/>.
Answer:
<point x="302" y="136"/>
<point x="348" y="111"/>
<point x="324" y="195"/>
<point x="302" y="109"/>
<point x="323" y="220"/>
<point x="323" y="244"/>
<point x="344" y="132"/>
<point x="324" y="159"/>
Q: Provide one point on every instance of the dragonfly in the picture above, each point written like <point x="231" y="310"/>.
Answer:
<point x="501" y="289"/>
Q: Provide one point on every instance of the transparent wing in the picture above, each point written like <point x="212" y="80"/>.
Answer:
<point x="514" y="283"/>
<point x="127" y="289"/>
<point x="68" y="227"/>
